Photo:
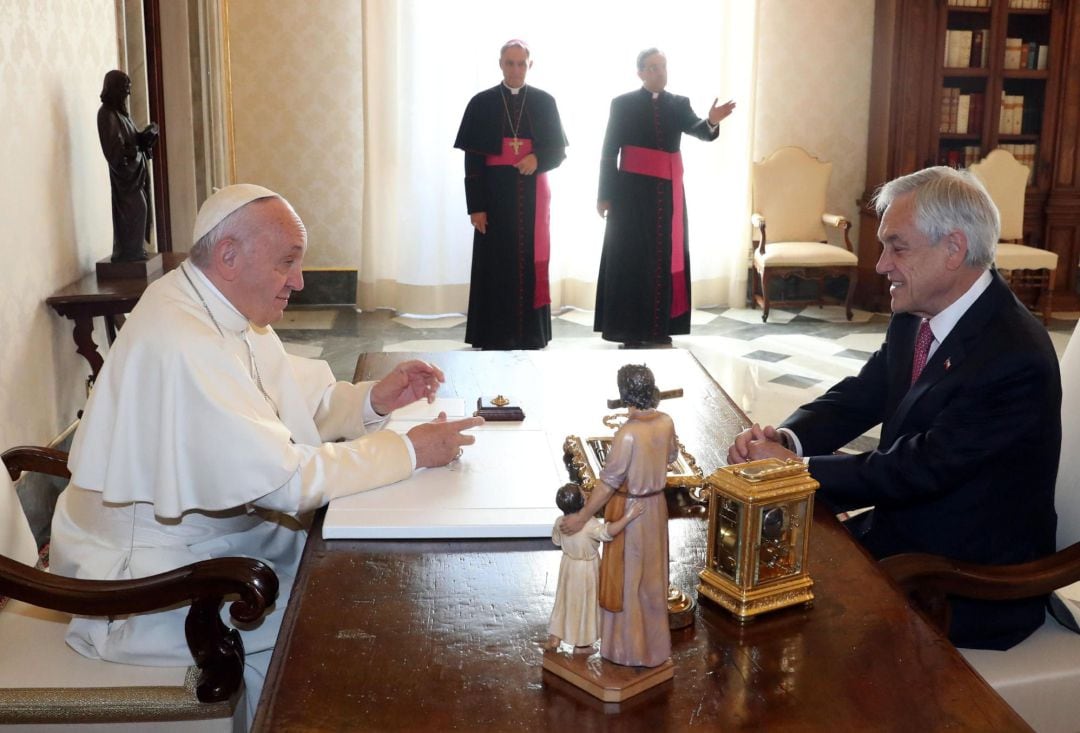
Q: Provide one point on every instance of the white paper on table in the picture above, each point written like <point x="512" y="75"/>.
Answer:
<point x="502" y="486"/>
<point x="421" y="411"/>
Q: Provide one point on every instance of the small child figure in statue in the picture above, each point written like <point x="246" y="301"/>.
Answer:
<point x="574" y="618"/>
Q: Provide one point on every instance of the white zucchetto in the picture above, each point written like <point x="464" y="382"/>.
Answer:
<point x="225" y="201"/>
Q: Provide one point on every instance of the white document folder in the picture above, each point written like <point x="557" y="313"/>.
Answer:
<point x="502" y="486"/>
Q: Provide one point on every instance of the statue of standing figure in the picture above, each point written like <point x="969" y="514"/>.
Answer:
<point x="128" y="151"/>
<point x="633" y="588"/>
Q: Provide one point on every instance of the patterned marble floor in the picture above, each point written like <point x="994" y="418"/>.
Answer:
<point x="768" y="368"/>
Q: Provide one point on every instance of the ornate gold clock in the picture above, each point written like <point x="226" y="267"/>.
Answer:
<point x="759" y="530"/>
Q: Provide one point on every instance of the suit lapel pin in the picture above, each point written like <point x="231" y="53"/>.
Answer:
<point x="948" y="364"/>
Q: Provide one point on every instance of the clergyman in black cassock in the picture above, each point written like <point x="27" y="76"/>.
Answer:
<point x="512" y="136"/>
<point x="643" y="289"/>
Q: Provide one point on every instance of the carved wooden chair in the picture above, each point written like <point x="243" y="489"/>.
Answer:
<point x="789" y="190"/>
<point x="1030" y="271"/>
<point x="43" y="681"/>
<point x="1040" y="677"/>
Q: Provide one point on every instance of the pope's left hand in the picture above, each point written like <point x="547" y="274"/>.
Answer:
<point x="407" y="383"/>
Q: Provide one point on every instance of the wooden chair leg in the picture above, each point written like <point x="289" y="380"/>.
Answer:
<point x="1048" y="297"/>
<point x="765" y="279"/>
<point x="853" y="277"/>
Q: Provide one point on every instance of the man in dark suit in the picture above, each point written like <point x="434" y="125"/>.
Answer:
<point x="971" y="425"/>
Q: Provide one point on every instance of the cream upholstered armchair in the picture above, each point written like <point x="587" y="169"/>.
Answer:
<point x="789" y="190"/>
<point x="43" y="681"/>
<point x="1040" y="676"/>
<point x="1030" y="271"/>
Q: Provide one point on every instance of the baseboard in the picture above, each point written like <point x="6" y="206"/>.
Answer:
<point x="327" y="286"/>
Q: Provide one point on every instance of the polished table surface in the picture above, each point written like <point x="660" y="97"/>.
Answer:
<point x="441" y="635"/>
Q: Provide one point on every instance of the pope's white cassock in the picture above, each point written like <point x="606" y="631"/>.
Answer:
<point x="203" y="438"/>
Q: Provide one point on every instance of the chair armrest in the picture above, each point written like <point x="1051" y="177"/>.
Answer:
<point x="929" y="579"/>
<point x="758" y="222"/>
<point x="217" y="650"/>
<point x="39" y="460"/>
<point x="841" y="223"/>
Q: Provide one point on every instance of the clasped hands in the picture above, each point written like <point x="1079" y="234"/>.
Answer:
<point x="526" y="167"/>
<point x="438" y="442"/>
<point x="756" y="443"/>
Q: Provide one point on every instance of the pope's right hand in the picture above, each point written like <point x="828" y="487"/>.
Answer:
<point x="438" y="442"/>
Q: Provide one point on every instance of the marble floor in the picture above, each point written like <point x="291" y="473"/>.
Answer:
<point x="768" y="368"/>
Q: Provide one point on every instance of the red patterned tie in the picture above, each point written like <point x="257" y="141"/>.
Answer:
<point x="922" y="349"/>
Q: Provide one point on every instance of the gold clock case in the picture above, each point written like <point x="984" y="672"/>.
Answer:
<point x="759" y="516"/>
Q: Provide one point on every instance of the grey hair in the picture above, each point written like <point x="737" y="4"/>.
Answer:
<point x="949" y="200"/>
<point x="515" y="43"/>
<point x="644" y="55"/>
<point x="200" y="252"/>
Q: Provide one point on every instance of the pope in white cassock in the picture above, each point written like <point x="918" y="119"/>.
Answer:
<point x="203" y="438"/>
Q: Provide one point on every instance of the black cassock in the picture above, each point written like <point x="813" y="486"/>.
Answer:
<point x="509" y="306"/>
<point x="634" y="287"/>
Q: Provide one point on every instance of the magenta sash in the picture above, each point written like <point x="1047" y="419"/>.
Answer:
<point x="542" y="221"/>
<point x="661" y="164"/>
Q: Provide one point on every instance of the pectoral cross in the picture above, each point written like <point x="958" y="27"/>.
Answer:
<point x="516" y="145"/>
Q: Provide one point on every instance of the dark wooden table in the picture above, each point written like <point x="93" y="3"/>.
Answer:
<point x="88" y="298"/>
<point x="443" y="635"/>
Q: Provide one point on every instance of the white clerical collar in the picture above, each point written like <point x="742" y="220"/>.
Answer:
<point x="944" y="322"/>
<point x="513" y="90"/>
<point x="229" y="317"/>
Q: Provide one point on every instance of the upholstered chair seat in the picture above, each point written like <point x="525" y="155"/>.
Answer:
<point x="804" y="254"/>
<point x="1021" y="257"/>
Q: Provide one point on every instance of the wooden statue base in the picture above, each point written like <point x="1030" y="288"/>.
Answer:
<point x="142" y="269"/>
<point x="606" y="680"/>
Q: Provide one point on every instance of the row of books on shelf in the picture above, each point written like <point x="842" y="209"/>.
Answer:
<point x="1015" y="118"/>
<point x="961" y="113"/>
<point x="970" y="154"/>
<point x="961" y="157"/>
<point x="1021" y="54"/>
<point x="965" y="49"/>
<point x="1025" y="4"/>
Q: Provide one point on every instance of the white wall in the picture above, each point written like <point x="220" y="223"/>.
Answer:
<point x="54" y="201"/>
<point x="813" y="89"/>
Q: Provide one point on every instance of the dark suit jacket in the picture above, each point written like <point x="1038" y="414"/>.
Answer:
<point x="968" y="455"/>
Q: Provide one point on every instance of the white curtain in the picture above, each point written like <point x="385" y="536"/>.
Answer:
<point x="423" y="60"/>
